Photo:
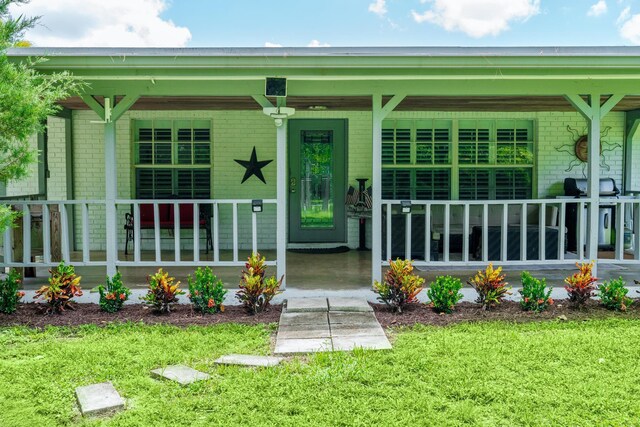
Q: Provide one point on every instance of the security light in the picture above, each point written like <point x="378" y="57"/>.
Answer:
<point x="405" y="206"/>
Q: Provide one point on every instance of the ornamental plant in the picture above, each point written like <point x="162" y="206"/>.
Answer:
<point x="581" y="285"/>
<point x="490" y="285"/>
<point x="9" y="294"/>
<point x="163" y="292"/>
<point x="444" y="293"/>
<point x="113" y="294"/>
<point x="256" y="292"/>
<point x="206" y="291"/>
<point x="613" y="295"/>
<point x="535" y="294"/>
<point x="400" y="286"/>
<point x="63" y="285"/>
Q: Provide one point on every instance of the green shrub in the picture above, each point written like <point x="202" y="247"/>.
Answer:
<point x="444" y="293"/>
<point x="9" y="294"/>
<point x="162" y="293"/>
<point x="256" y="292"/>
<point x="113" y="294"/>
<point x="206" y="291"/>
<point x="490" y="285"/>
<point x="535" y="294"/>
<point x="400" y="287"/>
<point x="581" y="285"/>
<point x="62" y="287"/>
<point x="613" y="295"/>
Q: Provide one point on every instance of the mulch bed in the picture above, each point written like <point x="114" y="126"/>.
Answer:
<point x="509" y="311"/>
<point x="181" y="315"/>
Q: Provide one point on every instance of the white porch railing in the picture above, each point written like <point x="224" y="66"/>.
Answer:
<point x="509" y="232"/>
<point x="81" y="223"/>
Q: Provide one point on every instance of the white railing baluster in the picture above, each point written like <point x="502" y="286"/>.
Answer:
<point x="580" y="232"/>
<point x="46" y="234"/>
<point x="235" y="232"/>
<point x="561" y="230"/>
<point x="26" y="234"/>
<point x="176" y="230"/>
<point x="8" y="245"/>
<point x="619" y="230"/>
<point x="465" y="232"/>
<point x="542" y="225"/>
<point x="447" y="231"/>
<point x="427" y="232"/>
<point x="137" y="231"/>
<point x="216" y="233"/>
<point x="523" y="232"/>
<point x="254" y="232"/>
<point x="196" y="232"/>
<point x="388" y="231"/>
<point x="636" y="229"/>
<point x="64" y="232"/>
<point x="504" y="232"/>
<point x="485" y="232"/>
<point x="86" y="253"/>
<point x="407" y="236"/>
<point x="156" y="231"/>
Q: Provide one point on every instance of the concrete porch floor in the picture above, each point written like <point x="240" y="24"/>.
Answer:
<point x="348" y="271"/>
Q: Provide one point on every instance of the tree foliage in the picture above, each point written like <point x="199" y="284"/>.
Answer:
<point x="27" y="97"/>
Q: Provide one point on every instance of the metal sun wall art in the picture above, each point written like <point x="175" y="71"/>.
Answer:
<point x="579" y="149"/>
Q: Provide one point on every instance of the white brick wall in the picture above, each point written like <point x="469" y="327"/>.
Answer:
<point x="235" y="133"/>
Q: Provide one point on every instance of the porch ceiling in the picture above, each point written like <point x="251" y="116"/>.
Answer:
<point x="362" y="103"/>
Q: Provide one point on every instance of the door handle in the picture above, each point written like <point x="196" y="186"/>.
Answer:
<point x="292" y="184"/>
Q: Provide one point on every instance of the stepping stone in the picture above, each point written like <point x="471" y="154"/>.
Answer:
<point x="359" y="319"/>
<point x="181" y="374"/>
<point x="349" y="304"/>
<point x="249" y="360"/>
<point x="97" y="399"/>
<point x="312" y="345"/>
<point x="306" y="305"/>
<point x="376" y="342"/>
<point x="303" y="319"/>
<point x="304" y="331"/>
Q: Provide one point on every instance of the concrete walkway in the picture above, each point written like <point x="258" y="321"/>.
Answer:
<point x="309" y="325"/>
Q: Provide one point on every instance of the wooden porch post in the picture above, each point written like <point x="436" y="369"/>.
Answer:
<point x="594" y="112"/>
<point x="379" y="112"/>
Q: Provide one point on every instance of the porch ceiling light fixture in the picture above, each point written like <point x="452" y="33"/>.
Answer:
<point x="279" y="113"/>
<point x="256" y="205"/>
<point x="405" y="206"/>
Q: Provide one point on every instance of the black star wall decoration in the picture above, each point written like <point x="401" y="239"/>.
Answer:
<point x="253" y="166"/>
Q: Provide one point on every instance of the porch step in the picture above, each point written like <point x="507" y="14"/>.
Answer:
<point x="309" y="325"/>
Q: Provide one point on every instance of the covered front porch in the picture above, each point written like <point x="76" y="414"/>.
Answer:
<point x="464" y="157"/>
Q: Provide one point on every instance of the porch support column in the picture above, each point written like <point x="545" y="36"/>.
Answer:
<point x="379" y="112"/>
<point x="281" y="196"/>
<point x="594" y="112"/>
<point x="109" y="114"/>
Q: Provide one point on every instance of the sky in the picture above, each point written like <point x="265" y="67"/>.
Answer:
<point x="338" y="23"/>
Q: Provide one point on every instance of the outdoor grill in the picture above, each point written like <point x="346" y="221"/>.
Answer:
<point x="577" y="188"/>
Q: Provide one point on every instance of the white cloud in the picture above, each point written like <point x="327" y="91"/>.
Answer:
<point x="598" y="8"/>
<point x="477" y="18"/>
<point x="269" y="44"/>
<point x="624" y="15"/>
<point x="630" y="30"/>
<point x="316" y="43"/>
<point x="123" y="23"/>
<point x="379" y="7"/>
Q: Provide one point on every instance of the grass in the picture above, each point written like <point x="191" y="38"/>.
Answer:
<point x="487" y="374"/>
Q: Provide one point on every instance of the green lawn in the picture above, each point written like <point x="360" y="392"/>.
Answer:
<point x="492" y="374"/>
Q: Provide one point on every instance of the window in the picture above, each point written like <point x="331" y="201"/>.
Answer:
<point x="172" y="158"/>
<point x="483" y="159"/>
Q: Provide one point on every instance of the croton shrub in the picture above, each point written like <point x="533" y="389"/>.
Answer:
<point x="490" y="285"/>
<point x="401" y="285"/>
<point x="63" y="285"/>
<point x="9" y="292"/>
<point x="581" y="286"/>
<point x="163" y="292"/>
<point x="256" y="291"/>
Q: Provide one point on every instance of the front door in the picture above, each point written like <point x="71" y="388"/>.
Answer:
<point x="317" y="171"/>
